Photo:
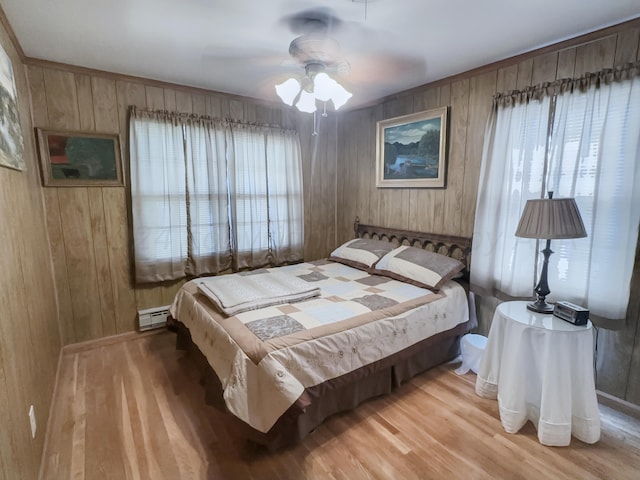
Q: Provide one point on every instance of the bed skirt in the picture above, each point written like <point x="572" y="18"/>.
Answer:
<point x="339" y="394"/>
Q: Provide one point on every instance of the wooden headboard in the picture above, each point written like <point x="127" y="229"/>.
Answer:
<point x="449" y="245"/>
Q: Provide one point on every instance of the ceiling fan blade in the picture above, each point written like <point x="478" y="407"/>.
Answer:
<point x="312" y="21"/>
<point x="364" y="60"/>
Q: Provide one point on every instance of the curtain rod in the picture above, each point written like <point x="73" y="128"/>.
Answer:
<point x="583" y="82"/>
<point x="133" y="110"/>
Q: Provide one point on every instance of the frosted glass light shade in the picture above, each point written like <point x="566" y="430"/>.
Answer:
<point x="323" y="86"/>
<point x="340" y="95"/>
<point x="324" y="89"/>
<point x="288" y="90"/>
<point x="307" y="102"/>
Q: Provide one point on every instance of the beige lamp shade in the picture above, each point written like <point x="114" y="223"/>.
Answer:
<point x="551" y="218"/>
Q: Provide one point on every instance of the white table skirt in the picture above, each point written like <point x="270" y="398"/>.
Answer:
<point x="540" y="368"/>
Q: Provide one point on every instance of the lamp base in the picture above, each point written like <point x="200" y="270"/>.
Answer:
<point x="540" y="306"/>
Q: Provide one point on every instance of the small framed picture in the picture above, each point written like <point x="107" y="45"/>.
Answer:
<point x="79" y="159"/>
<point x="411" y="150"/>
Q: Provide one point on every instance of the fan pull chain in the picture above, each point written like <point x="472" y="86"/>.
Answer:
<point x="315" y="131"/>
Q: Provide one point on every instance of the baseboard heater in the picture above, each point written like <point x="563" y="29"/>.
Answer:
<point x="153" y="318"/>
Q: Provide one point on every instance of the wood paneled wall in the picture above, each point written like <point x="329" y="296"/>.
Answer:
<point x="468" y="96"/>
<point x="29" y="335"/>
<point x="89" y="227"/>
<point x="452" y="210"/>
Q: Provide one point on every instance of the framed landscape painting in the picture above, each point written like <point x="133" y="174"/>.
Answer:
<point x="411" y="150"/>
<point x="11" y="144"/>
<point x="79" y="159"/>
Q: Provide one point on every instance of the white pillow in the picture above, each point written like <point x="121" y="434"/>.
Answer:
<point x="361" y="253"/>
<point x="418" y="267"/>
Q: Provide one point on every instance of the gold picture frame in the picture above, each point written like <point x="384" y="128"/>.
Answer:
<point x="411" y="150"/>
<point x="79" y="159"/>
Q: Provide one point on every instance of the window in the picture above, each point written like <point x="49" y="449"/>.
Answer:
<point x="209" y="195"/>
<point x="581" y="142"/>
<point x="159" y="208"/>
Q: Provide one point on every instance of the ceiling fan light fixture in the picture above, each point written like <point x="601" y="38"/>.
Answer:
<point x="340" y="95"/>
<point x="307" y="102"/>
<point x="323" y="86"/>
<point x="288" y="90"/>
<point x="315" y="86"/>
<point x="317" y="53"/>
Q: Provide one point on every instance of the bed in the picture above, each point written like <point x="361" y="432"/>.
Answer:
<point x="360" y="329"/>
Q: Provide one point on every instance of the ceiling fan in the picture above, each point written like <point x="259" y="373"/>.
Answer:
<point x="357" y="56"/>
<point x="320" y="55"/>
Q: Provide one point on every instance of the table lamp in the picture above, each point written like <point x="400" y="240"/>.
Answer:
<point x="549" y="218"/>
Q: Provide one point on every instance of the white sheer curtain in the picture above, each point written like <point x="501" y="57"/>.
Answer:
<point x="249" y="199"/>
<point x="286" y="203"/>
<point x="511" y="173"/>
<point x="208" y="196"/>
<point x="158" y="201"/>
<point x="593" y="156"/>
<point x="267" y="205"/>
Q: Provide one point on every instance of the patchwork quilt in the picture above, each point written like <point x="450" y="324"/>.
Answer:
<point x="265" y="358"/>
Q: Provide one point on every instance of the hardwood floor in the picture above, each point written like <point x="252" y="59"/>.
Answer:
<point x="134" y="409"/>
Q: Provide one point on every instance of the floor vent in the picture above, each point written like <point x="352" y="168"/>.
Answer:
<point x="153" y="318"/>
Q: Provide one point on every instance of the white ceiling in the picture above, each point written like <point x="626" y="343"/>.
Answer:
<point x="241" y="46"/>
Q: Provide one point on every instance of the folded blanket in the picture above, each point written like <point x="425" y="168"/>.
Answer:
<point x="240" y="292"/>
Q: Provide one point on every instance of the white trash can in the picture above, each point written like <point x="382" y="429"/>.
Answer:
<point x="471" y="347"/>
